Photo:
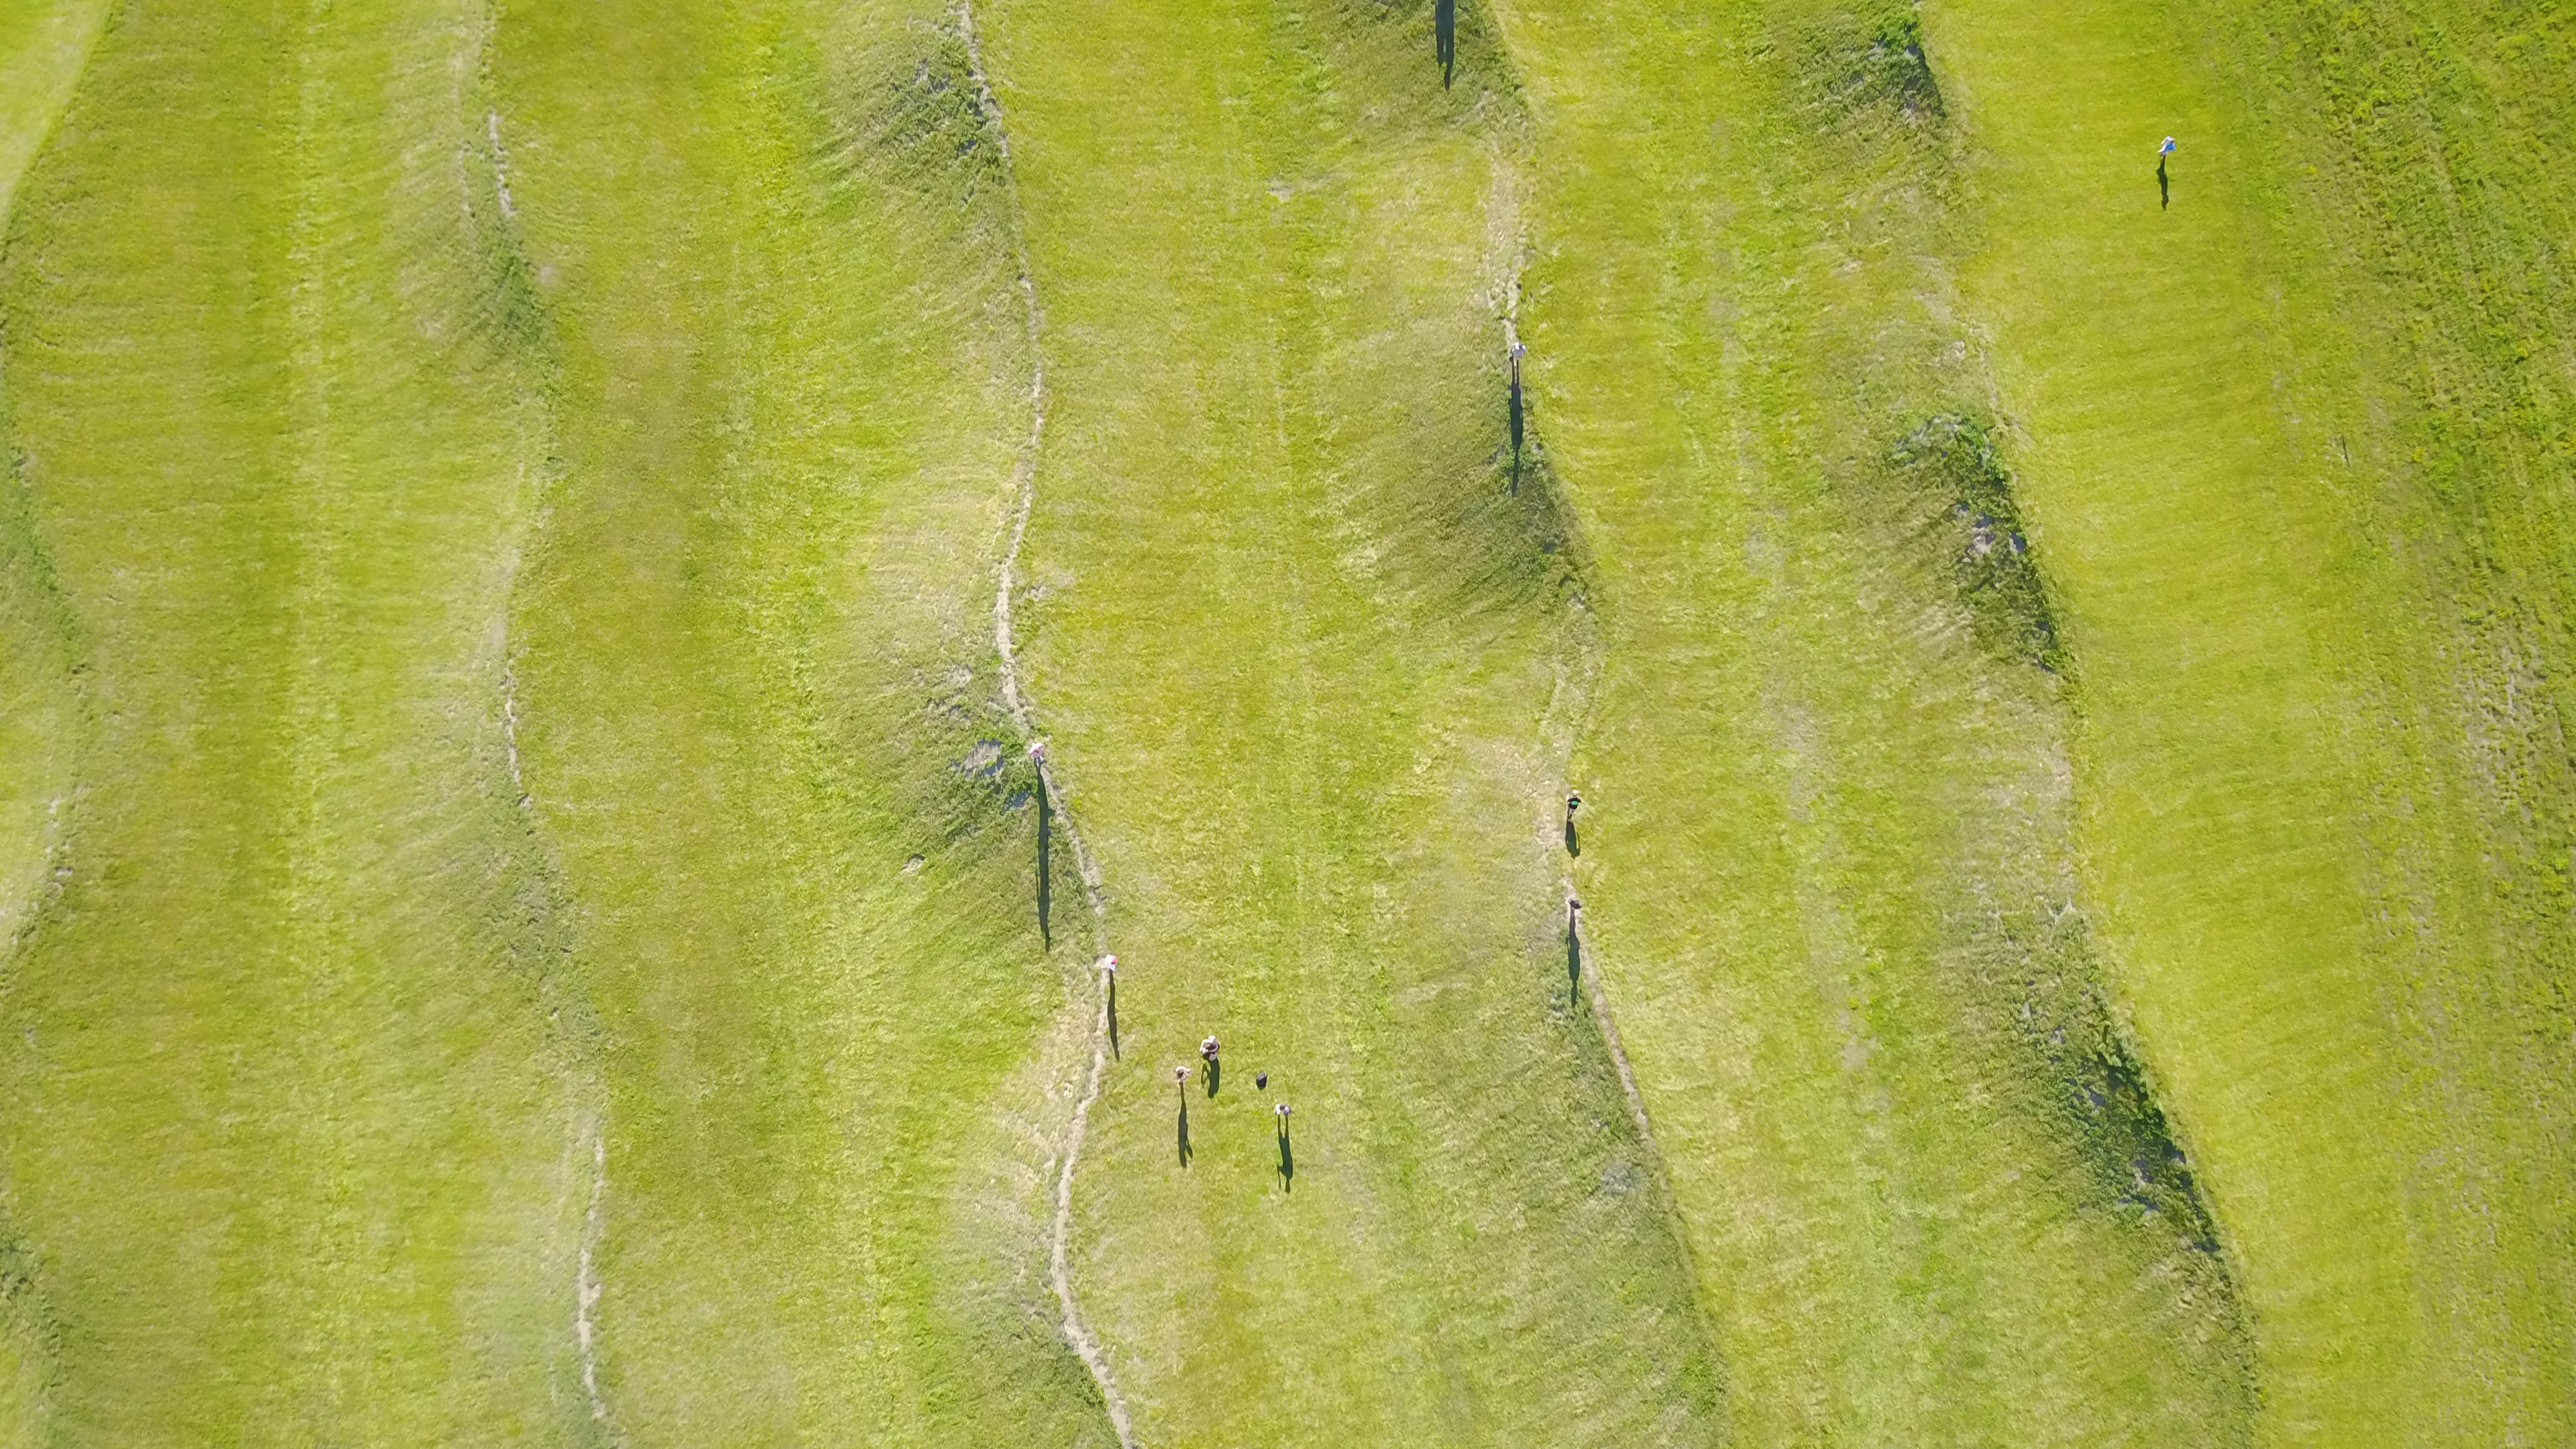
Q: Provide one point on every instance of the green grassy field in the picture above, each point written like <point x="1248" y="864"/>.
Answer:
<point x="529" y="916"/>
<point x="2318" y="563"/>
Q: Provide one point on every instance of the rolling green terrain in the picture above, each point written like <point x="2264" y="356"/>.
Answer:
<point x="1322" y="809"/>
<point x="530" y="914"/>
<point x="2314" y="538"/>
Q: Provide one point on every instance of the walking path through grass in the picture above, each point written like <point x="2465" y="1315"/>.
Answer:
<point x="762" y="732"/>
<point x="1023" y="502"/>
<point x="536" y="539"/>
<point x="1295" y="647"/>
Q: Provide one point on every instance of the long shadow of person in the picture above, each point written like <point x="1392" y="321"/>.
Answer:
<point x="1444" y="35"/>
<point x="1573" y="954"/>
<point x="2164" y="185"/>
<point x="1185" y="1132"/>
<point x="1287" y="1160"/>
<point x="1573" y="842"/>
<point x="1046" y="881"/>
<point x="1113" y="1013"/>
<point x="1212" y="1073"/>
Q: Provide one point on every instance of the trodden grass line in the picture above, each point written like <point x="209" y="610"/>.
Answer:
<point x="1024" y="500"/>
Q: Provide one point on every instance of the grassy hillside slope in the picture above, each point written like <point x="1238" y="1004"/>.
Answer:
<point x="1829" y="867"/>
<point x="42" y="47"/>
<point x="757" y="678"/>
<point x="523" y="916"/>
<point x="2300" y="450"/>
<point x="1308" y="665"/>
<point x="287" y="1109"/>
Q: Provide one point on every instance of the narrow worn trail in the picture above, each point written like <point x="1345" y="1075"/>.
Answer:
<point x="1024" y="500"/>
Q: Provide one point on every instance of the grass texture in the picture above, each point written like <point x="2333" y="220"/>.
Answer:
<point x="527" y="919"/>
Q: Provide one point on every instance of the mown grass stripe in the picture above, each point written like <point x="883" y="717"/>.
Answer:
<point x="285" y="1104"/>
<point x="1296" y="642"/>
<point x="2299" y="529"/>
<point x="1828" y="865"/>
<point x="1023" y="502"/>
<point x="763" y="729"/>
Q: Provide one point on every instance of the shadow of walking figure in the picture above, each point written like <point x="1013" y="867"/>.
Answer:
<point x="2164" y="184"/>
<point x="1109" y="974"/>
<point x="1046" y="883"/>
<point x="1574" y="947"/>
<point x="1517" y="350"/>
<point x="1287" y="1152"/>
<point x="1181" y="1079"/>
<point x="1444" y="34"/>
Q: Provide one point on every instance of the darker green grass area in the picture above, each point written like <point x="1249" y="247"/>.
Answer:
<point x="2297" y="474"/>
<point x="1951" y="466"/>
<point x="525" y="918"/>
<point x="1830" y="783"/>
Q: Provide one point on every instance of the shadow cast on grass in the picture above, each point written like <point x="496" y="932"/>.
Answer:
<point x="1046" y="880"/>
